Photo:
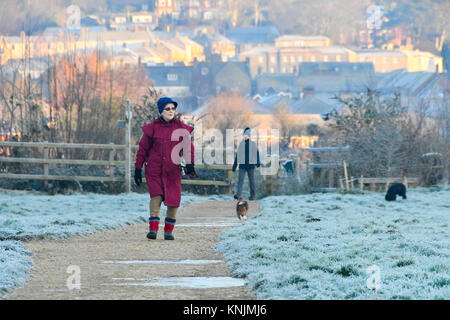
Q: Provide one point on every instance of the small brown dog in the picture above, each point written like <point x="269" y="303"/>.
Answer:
<point x="241" y="209"/>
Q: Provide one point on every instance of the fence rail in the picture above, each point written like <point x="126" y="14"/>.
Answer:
<point x="46" y="161"/>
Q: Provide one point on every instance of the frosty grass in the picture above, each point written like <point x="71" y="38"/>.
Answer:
<point x="25" y="216"/>
<point x="285" y="252"/>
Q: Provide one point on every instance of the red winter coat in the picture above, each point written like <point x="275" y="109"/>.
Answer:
<point x="163" y="176"/>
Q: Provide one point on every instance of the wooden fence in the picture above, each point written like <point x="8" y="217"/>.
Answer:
<point x="327" y="178"/>
<point x="111" y="163"/>
<point x="127" y="148"/>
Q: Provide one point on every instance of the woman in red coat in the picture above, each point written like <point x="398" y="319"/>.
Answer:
<point x="160" y="150"/>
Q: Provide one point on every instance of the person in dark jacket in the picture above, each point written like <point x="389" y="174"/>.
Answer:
<point x="247" y="157"/>
<point x="162" y="173"/>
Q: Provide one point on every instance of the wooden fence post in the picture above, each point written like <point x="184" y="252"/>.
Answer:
<point x="46" y="165"/>
<point x="128" y="116"/>
<point x="112" y="153"/>
<point x="331" y="178"/>
<point x="346" y="175"/>
<point x="268" y="184"/>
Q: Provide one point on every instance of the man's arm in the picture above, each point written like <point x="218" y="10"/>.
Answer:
<point x="235" y="163"/>
<point x="258" y="163"/>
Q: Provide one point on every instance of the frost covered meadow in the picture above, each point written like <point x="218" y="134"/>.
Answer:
<point x="315" y="246"/>
<point x="319" y="246"/>
<point x="25" y="216"/>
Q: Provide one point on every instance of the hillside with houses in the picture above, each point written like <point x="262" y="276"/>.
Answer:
<point x="195" y="51"/>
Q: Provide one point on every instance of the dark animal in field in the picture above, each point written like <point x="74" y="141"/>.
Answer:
<point x="241" y="209"/>
<point x="394" y="190"/>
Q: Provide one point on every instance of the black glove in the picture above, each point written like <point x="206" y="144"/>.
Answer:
<point x="138" y="176"/>
<point x="190" y="171"/>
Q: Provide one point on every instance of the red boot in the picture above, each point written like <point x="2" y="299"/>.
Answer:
<point x="169" y="224"/>
<point x="153" y="226"/>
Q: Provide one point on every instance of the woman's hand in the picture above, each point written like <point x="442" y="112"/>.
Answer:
<point x="138" y="176"/>
<point x="190" y="171"/>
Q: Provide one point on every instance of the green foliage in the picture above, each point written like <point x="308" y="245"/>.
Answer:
<point x="347" y="271"/>
<point x="367" y="112"/>
<point x="145" y="112"/>
<point x="385" y="138"/>
<point x="404" y="263"/>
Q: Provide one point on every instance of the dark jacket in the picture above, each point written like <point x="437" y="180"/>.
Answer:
<point x="247" y="155"/>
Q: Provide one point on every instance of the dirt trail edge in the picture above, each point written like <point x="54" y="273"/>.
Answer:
<point x="123" y="264"/>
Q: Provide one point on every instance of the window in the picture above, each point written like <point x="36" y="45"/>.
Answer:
<point x="325" y="58"/>
<point x="285" y="59"/>
<point x="273" y="59"/>
<point x="208" y="15"/>
<point x="338" y="58"/>
<point x="172" y="76"/>
<point x="261" y="59"/>
<point x="313" y="58"/>
<point x="395" y="60"/>
<point x="300" y="59"/>
<point x="292" y="59"/>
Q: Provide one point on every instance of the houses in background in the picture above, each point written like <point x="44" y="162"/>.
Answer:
<point x="133" y="21"/>
<point x="148" y="46"/>
<point x="306" y="74"/>
<point x="200" y="81"/>
<point x="263" y="47"/>
<point x="289" y="51"/>
<point x="307" y="97"/>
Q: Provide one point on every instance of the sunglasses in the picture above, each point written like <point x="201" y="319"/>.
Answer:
<point x="170" y="109"/>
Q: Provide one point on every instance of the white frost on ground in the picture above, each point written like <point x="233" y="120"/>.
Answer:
<point x="25" y="216"/>
<point x="286" y="253"/>
<point x="15" y="264"/>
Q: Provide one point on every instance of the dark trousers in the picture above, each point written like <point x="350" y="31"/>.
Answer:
<point x="251" y="180"/>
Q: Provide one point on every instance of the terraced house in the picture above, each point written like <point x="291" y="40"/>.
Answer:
<point x="288" y="52"/>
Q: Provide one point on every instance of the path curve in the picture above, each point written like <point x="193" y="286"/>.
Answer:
<point x="123" y="264"/>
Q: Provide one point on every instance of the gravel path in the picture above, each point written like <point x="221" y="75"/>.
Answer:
<point x="123" y="264"/>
